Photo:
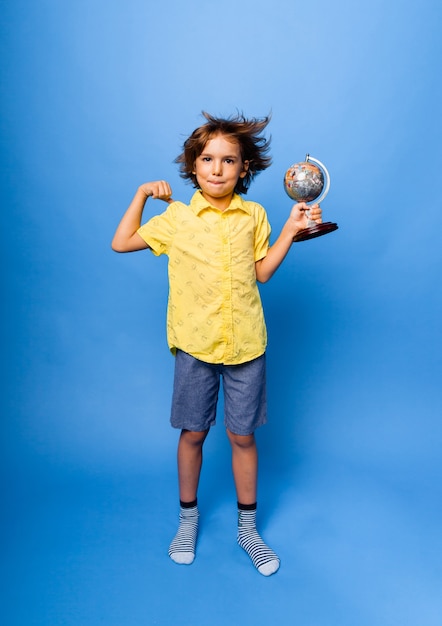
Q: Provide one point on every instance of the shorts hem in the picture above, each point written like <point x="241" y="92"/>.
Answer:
<point x="245" y="434"/>
<point x="193" y="428"/>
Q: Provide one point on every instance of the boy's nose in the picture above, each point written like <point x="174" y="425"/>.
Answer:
<point x="217" y="168"/>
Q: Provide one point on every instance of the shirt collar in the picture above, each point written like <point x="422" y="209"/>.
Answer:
<point x="198" y="203"/>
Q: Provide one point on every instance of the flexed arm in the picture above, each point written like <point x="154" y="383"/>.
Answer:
<point x="126" y="238"/>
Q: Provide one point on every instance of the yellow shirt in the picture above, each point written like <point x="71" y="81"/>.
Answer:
<point x="214" y="308"/>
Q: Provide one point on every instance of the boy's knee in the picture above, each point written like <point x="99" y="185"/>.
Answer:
<point x="194" y="438"/>
<point x="241" y="441"/>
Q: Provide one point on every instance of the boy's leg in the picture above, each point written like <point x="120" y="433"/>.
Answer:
<point x="245" y="466"/>
<point x="245" y="471"/>
<point x="190" y="460"/>
<point x="190" y="456"/>
<point x="193" y="411"/>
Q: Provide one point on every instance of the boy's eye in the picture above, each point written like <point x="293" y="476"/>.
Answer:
<point x="229" y="161"/>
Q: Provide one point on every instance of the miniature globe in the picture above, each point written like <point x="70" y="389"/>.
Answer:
<point x="304" y="181"/>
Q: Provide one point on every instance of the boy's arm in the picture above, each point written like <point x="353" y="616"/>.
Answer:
<point x="126" y="238"/>
<point x="266" y="267"/>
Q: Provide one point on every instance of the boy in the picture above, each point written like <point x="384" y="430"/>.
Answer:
<point x="218" y="248"/>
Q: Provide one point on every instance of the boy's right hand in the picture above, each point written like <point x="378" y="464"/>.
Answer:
<point x="159" y="190"/>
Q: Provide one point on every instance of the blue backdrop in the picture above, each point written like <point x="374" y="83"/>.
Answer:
<point x="97" y="97"/>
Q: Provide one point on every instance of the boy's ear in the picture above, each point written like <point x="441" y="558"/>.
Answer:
<point x="245" y="169"/>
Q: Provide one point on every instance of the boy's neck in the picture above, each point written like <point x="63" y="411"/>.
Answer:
<point x="218" y="203"/>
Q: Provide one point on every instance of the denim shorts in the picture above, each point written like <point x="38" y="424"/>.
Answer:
<point x="195" y="394"/>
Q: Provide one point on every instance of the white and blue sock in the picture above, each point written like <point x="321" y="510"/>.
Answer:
<point x="263" y="558"/>
<point x="182" y="548"/>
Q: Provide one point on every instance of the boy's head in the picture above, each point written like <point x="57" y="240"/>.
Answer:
<point x="247" y="133"/>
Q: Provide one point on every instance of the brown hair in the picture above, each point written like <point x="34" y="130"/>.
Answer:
<point x="254" y="148"/>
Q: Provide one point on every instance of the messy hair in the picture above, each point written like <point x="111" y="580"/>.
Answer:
<point x="247" y="132"/>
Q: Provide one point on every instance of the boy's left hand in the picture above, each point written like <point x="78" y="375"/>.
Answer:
<point x="302" y="212"/>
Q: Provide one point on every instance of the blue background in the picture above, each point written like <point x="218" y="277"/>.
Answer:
<point x="97" y="97"/>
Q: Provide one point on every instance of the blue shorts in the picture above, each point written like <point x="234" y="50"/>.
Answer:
<point x="195" y="394"/>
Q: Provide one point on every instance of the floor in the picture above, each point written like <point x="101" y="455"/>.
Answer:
<point x="357" y="548"/>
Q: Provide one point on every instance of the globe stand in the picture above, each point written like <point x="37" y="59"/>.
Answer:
<point x="317" y="230"/>
<point x="302" y="195"/>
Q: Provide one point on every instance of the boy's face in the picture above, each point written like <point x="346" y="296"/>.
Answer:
<point x="217" y="170"/>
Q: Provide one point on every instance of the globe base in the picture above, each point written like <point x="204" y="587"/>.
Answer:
<point x="315" y="231"/>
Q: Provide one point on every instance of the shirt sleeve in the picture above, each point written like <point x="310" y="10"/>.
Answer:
<point x="262" y="233"/>
<point x="159" y="231"/>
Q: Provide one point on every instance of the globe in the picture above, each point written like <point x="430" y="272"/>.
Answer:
<point x="304" y="181"/>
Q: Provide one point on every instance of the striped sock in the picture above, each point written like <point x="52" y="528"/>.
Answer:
<point x="182" y="548"/>
<point x="263" y="558"/>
